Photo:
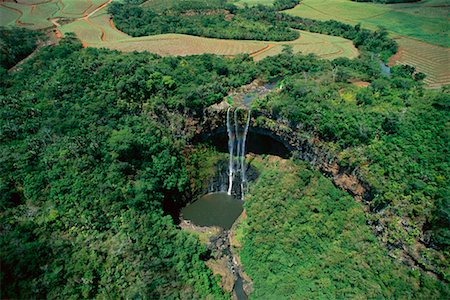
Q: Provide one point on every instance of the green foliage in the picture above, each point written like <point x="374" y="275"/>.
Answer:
<point x="393" y="133"/>
<point x="202" y="19"/>
<point x="91" y="152"/>
<point x="306" y="239"/>
<point x="376" y="42"/>
<point x="15" y="45"/>
<point x="285" y="4"/>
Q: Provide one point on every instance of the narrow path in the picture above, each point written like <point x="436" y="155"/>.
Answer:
<point x="113" y="26"/>
<point x="97" y="9"/>
<point x="84" y="13"/>
<point x="266" y="48"/>
<point x="56" y="30"/>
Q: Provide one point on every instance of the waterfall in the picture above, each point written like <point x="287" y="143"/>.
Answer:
<point x="231" y="150"/>
<point x="236" y="139"/>
<point x="243" y="168"/>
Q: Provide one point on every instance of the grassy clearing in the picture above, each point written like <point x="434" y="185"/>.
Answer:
<point x="102" y="20"/>
<point x="87" y="32"/>
<point x="180" y="44"/>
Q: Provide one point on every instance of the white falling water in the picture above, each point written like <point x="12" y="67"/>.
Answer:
<point x="230" y="150"/>
<point x="243" y="168"/>
<point x="236" y="139"/>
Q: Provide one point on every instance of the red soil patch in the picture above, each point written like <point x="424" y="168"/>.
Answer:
<point x="103" y="36"/>
<point x="394" y="58"/>
<point x="57" y="32"/>
<point x="97" y="9"/>
<point x="269" y="46"/>
<point x="360" y="83"/>
<point x="113" y="26"/>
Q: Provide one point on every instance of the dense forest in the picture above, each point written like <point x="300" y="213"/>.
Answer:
<point x="95" y="145"/>
<point x="89" y="157"/>
<point x="221" y="21"/>
<point x="16" y="45"/>
<point x="321" y="247"/>
<point x="393" y="132"/>
<point x="227" y="21"/>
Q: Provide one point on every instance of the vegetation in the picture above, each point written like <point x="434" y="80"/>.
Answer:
<point x="138" y="21"/>
<point x="92" y="150"/>
<point x="15" y="45"/>
<point x="285" y="4"/>
<point x="386" y="1"/>
<point x="95" y="155"/>
<point x="306" y="239"/>
<point x="392" y="133"/>
<point x="38" y="14"/>
<point x="226" y="21"/>
<point x="423" y="24"/>
<point x="425" y="20"/>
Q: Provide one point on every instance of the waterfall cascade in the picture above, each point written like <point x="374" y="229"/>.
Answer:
<point x="237" y="136"/>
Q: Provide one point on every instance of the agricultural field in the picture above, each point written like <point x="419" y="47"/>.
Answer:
<point x="421" y="29"/>
<point x="94" y="27"/>
<point x="426" y="21"/>
<point x="90" y="21"/>
<point x="98" y="31"/>
<point x="37" y="14"/>
<point x="428" y="59"/>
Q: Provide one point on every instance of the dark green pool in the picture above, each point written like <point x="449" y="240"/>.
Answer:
<point x="216" y="209"/>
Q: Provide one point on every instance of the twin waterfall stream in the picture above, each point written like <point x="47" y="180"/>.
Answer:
<point x="237" y="136"/>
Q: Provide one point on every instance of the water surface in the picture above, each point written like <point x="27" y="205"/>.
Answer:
<point x="216" y="209"/>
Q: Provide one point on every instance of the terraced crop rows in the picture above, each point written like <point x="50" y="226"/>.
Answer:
<point x="37" y="14"/>
<point x="432" y="60"/>
<point x="92" y="24"/>
<point x="422" y="29"/>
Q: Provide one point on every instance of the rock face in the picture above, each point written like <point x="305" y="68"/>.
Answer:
<point x="302" y="145"/>
<point x="308" y="147"/>
<point x="221" y="260"/>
